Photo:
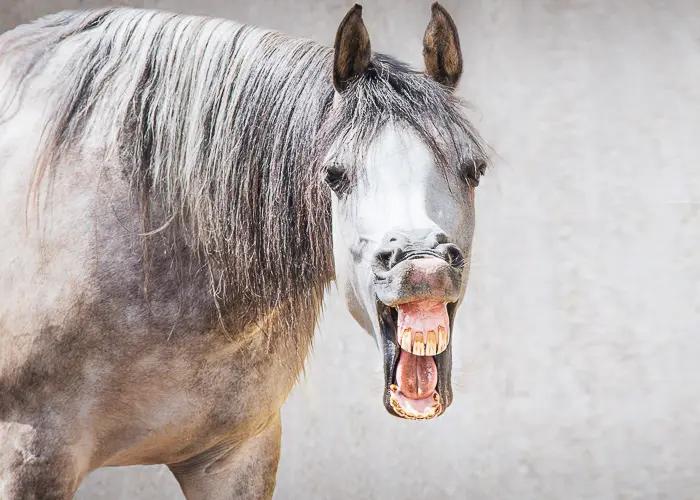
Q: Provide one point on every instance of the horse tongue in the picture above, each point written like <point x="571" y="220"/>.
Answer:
<point x="416" y="376"/>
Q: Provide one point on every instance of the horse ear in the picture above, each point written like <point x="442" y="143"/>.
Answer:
<point x="352" y="49"/>
<point x="441" y="51"/>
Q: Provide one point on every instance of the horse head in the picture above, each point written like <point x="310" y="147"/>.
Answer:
<point x="403" y="207"/>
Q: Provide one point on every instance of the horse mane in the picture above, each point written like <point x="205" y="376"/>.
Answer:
<point x="222" y="130"/>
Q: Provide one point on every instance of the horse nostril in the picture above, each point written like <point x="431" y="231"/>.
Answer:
<point x="388" y="257"/>
<point x="383" y="257"/>
<point x="453" y="255"/>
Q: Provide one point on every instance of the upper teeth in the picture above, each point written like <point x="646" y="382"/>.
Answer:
<point x="407" y="340"/>
<point x="443" y="339"/>
<point x="431" y="344"/>
<point x="421" y="344"/>
<point x="418" y="345"/>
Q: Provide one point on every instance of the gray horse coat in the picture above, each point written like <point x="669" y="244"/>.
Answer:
<point x="176" y="194"/>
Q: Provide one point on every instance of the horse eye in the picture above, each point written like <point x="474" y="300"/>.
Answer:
<point x="337" y="179"/>
<point x="472" y="172"/>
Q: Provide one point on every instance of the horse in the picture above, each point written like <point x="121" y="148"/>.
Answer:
<point x="178" y="193"/>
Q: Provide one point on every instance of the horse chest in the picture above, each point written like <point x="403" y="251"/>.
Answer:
<point x="179" y="399"/>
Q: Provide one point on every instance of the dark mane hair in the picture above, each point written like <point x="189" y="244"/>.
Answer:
<point x="222" y="130"/>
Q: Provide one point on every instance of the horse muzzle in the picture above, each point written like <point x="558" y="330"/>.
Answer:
<point x="419" y="279"/>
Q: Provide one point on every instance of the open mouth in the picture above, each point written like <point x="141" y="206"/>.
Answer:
<point x="420" y="344"/>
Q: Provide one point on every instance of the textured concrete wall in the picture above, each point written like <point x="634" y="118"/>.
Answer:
<point x="578" y="350"/>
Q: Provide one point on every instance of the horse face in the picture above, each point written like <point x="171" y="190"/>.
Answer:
<point x="402" y="232"/>
<point x="402" y="243"/>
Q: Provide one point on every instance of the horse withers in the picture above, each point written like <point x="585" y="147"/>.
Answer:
<point x="177" y="193"/>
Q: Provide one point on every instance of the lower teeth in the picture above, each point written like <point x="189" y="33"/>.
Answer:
<point x="432" y="413"/>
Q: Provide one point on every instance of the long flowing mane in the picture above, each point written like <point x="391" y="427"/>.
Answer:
<point x="222" y="130"/>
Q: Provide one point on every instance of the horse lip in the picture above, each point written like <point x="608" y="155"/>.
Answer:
<point x="407" y="282"/>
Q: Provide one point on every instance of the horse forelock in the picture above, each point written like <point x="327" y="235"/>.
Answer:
<point x="222" y="129"/>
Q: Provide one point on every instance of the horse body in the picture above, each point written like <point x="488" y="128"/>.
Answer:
<point x="97" y="370"/>
<point x="170" y="391"/>
<point x="166" y="245"/>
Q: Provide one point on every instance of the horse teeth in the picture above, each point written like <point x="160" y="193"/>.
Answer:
<point x="406" y="340"/>
<point x="418" y="349"/>
<point x="442" y="339"/>
<point x="431" y="344"/>
<point x="418" y="345"/>
<point x="431" y="412"/>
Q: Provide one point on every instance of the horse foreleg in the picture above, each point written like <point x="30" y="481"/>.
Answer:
<point x="34" y="465"/>
<point x="234" y="470"/>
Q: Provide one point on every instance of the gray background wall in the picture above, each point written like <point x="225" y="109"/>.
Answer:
<point x="578" y="348"/>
